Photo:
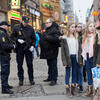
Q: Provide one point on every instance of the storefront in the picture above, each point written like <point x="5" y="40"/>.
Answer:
<point x="27" y="8"/>
<point x="35" y="18"/>
<point x="14" y="17"/>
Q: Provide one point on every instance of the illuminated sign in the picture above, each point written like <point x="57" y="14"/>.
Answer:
<point x="14" y="15"/>
<point x="15" y="4"/>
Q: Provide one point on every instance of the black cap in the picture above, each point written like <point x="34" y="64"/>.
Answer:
<point x="4" y="23"/>
<point x="25" y="19"/>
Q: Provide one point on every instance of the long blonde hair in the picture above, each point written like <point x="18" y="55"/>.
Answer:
<point x="67" y="33"/>
<point x="86" y="32"/>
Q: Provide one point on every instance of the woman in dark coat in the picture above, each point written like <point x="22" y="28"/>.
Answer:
<point x="49" y="44"/>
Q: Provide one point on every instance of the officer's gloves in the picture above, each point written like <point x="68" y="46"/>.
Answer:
<point x="21" y="41"/>
<point x="31" y="48"/>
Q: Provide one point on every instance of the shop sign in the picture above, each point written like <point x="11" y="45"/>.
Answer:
<point x="15" y="4"/>
<point x="32" y="11"/>
<point x="14" y="15"/>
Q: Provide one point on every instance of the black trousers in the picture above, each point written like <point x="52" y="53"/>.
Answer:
<point x="52" y="69"/>
<point x="20" y="53"/>
<point x="5" y="70"/>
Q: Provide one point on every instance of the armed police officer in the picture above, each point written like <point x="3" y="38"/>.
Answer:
<point x="5" y="49"/>
<point x="24" y="36"/>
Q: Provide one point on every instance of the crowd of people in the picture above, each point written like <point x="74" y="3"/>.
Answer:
<point x="80" y="52"/>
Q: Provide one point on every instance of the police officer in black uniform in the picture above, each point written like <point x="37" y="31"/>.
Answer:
<point x="5" y="49"/>
<point x="24" y="36"/>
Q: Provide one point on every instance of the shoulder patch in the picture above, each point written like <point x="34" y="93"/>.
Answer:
<point x="3" y="39"/>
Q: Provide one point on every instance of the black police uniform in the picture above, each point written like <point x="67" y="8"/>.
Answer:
<point x="5" y="50"/>
<point x="27" y="34"/>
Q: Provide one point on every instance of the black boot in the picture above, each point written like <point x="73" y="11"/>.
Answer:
<point x="47" y="80"/>
<point x="7" y="91"/>
<point x="53" y="83"/>
<point x="81" y="89"/>
<point x="20" y="83"/>
<point x="10" y="87"/>
<point x="32" y="82"/>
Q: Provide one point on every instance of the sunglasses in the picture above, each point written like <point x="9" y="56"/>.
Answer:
<point x="47" y="22"/>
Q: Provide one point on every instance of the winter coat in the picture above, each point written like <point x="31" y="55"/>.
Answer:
<point x="49" y="43"/>
<point x="65" y="52"/>
<point x="96" y="57"/>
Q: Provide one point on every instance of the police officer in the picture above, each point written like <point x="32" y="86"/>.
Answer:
<point x="24" y="36"/>
<point x="5" y="50"/>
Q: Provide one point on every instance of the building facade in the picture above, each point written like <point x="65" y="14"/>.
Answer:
<point x="50" y="9"/>
<point x="3" y="10"/>
<point x="69" y="10"/>
<point x="62" y="4"/>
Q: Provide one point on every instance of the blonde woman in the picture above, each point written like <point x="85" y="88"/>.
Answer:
<point x="69" y="53"/>
<point x="87" y="53"/>
<point x="96" y="58"/>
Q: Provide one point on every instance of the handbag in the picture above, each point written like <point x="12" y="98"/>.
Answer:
<point x="96" y="77"/>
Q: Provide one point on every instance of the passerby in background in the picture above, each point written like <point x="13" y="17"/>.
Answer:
<point x="5" y="49"/>
<point x="24" y="36"/>
<point x="37" y="43"/>
<point x="87" y="53"/>
<point x="96" y="58"/>
<point x="80" y="66"/>
<point x="49" y="44"/>
<point x="69" y="54"/>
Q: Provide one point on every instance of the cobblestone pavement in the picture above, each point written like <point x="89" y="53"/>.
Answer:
<point x="40" y="73"/>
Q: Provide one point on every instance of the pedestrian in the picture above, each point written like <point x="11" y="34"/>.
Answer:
<point x="37" y="43"/>
<point x="49" y="44"/>
<point x="80" y="66"/>
<point x="5" y="49"/>
<point x="24" y="36"/>
<point x="87" y="54"/>
<point x="69" y="54"/>
<point x="96" y="58"/>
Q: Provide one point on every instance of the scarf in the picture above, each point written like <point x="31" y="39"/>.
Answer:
<point x="90" y="41"/>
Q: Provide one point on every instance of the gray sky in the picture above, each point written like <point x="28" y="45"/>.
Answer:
<point x="80" y="8"/>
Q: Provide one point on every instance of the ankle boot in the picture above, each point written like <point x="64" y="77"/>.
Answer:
<point x="89" y="92"/>
<point x="68" y="90"/>
<point x="74" y="90"/>
<point x="96" y="94"/>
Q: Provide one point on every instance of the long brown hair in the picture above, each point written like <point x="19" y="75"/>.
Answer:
<point x="67" y="33"/>
<point x="85" y="36"/>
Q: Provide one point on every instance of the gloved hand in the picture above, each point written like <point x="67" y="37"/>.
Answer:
<point x="14" y="46"/>
<point x="31" y="48"/>
<point x="21" y="41"/>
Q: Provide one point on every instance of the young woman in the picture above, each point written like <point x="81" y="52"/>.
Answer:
<point x="79" y="32"/>
<point x="69" y="54"/>
<point x="96" y="58"/>
<point x="87" y="53"/>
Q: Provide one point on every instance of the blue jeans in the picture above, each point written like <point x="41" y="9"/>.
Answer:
<point x="89" y="65"/>
<point x="37" y="51"/>
<point x="80" y="75"/>
<point x="74" y="71"/>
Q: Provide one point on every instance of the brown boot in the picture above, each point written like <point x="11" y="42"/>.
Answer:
<point x="74" y="90"/>
<point x="89" y="92"/>
<point x="96" y="94"/>
<point x="68" y="91"/>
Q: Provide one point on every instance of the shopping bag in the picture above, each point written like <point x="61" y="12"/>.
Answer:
<point x="96" y="77"/>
